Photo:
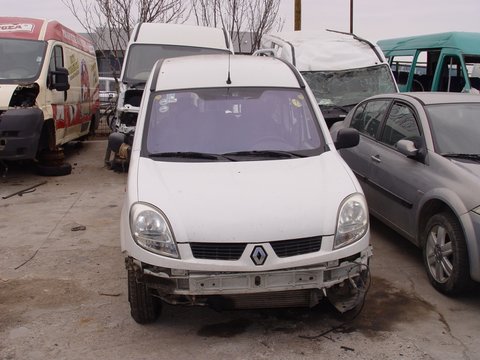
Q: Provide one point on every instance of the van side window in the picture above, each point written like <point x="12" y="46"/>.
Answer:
<point x="400" y="124"/>
<point x="56" y="60"/>
<point x="401" y="66"/>
<point x="452" y="77"/>
<point x="367" y="118"/>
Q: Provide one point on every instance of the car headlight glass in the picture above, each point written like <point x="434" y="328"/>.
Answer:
<point x="352" y="221"/>
<point x="477" y="210"/>
<point x="151" y="230"/>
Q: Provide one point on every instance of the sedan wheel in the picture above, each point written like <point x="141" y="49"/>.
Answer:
<point x="445" y="254"/>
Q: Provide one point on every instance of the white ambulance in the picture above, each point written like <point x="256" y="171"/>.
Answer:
<point x="48" y="91"/>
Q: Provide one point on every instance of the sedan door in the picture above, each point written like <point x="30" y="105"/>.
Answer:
<point x="396" y="179"/>
<point x="367" y="119"/>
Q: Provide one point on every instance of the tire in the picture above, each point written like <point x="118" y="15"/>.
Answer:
<point x="54" y="170"/>
<point x="144" y="307"/>
<point x="445" y="255"/>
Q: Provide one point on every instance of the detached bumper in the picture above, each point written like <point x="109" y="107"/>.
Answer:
<point x="20" y="131"/>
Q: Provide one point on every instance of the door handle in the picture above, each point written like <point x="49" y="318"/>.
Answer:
<point x="376" y="158"/>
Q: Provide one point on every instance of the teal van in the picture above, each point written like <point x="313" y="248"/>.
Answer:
<point x="447" y="61"/>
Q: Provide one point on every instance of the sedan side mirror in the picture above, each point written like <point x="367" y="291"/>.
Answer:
<point x="407" y="148"/>
<point x="347" y="138"/>
<point x="410" y="150"/>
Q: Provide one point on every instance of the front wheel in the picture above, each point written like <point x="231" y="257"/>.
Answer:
<point x="445" y="254"/>
<point x="144" y="307"/>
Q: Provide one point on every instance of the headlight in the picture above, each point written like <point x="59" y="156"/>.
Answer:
<point x="352" y="221"/>
<point x="477" y="210"/>
<point x="151" y="230"/>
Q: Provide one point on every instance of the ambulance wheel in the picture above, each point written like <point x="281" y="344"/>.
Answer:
<point x="54" y="169"/>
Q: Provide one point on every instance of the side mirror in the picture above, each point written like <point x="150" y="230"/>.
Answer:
<point x="407" y="148"/>
<point x="412" y="149"/>
<point x="347" y="138"/>
<point x="59" y="79"/>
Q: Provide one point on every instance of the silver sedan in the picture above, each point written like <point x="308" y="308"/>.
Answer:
<point x="419" y="165"/>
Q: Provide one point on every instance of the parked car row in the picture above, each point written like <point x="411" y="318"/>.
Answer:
<point x="236" y="138"/>
<point x="237" y="196"/>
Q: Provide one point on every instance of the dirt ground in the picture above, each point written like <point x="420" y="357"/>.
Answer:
<point x="63" y="291"/>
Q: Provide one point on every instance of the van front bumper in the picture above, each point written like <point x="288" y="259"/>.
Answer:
<point x="196" y="287"/>
<point x="20" y="131"/>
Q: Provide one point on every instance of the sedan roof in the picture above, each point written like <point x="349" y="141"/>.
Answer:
<point x="430" y="98"/>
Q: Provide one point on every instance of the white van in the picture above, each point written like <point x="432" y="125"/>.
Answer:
<point x="148" y="43"/>
<point x="236" y="195"/>
<point x="341" y="68"/>
<point x="48" y="90"/>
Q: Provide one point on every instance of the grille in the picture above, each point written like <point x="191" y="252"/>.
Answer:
<point x="286" y="248"/>
<point x="278" y="299"/>
<point x="214" y="251"/>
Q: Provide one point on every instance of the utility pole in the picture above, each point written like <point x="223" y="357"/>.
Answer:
<point x="351" y="16"/>
<point x="298" y="15"/>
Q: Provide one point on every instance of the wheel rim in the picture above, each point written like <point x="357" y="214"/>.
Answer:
<point x="439" y="254"/>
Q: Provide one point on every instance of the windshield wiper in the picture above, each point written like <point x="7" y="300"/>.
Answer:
<point x="279" y="154"/>
<point x="331" y="107"/>
<point x="475" y="157"/>
<point x="189" y="155"/>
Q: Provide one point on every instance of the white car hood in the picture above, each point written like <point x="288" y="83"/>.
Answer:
<point x="247" y="201"/>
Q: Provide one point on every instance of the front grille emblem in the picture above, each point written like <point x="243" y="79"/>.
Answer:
<point x="259" y="255"/>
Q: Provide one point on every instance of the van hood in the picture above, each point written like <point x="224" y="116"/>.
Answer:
<point x="248" y="201"/>
<point x="6" y="92"/>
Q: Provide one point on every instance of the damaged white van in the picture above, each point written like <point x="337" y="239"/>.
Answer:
<point x="236" y="195"/>
<point x="342" y="69"/>
<point x="48" y="91"/>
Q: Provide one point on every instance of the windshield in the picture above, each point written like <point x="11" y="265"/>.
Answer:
<point x="142" y="57"/>
<point x="455" y="128"/>
<point x="349" y="87"/>
<point x="20" y="60"/>
<point x="233" y="121"/>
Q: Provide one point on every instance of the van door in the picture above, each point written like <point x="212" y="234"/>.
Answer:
<point x="57" y="99"/>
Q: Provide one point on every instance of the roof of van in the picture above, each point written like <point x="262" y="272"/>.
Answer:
<point x="213" y="71"/>
<point x="468" y="42"/>
<point x="328" y="50"/>
<point x="180" y="34"/>
<point x="42" y="29"/>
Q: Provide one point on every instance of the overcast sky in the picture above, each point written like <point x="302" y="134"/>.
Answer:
<point x="373" y="19"/>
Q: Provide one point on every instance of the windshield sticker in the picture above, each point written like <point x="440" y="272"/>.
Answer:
<point x="296" y="103"/>
<point x="300" y="96"/>
<point x="163" y="109"/>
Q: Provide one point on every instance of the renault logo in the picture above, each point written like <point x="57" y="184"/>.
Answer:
<point x="259" y="255"/>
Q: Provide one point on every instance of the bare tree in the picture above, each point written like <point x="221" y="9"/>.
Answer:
<point x="238" y="17"/>
<point x="110" y="22"/>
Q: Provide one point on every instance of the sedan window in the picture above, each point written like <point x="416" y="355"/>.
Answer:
<point x="367" y="117"/>
<point x="400" y="124"/>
